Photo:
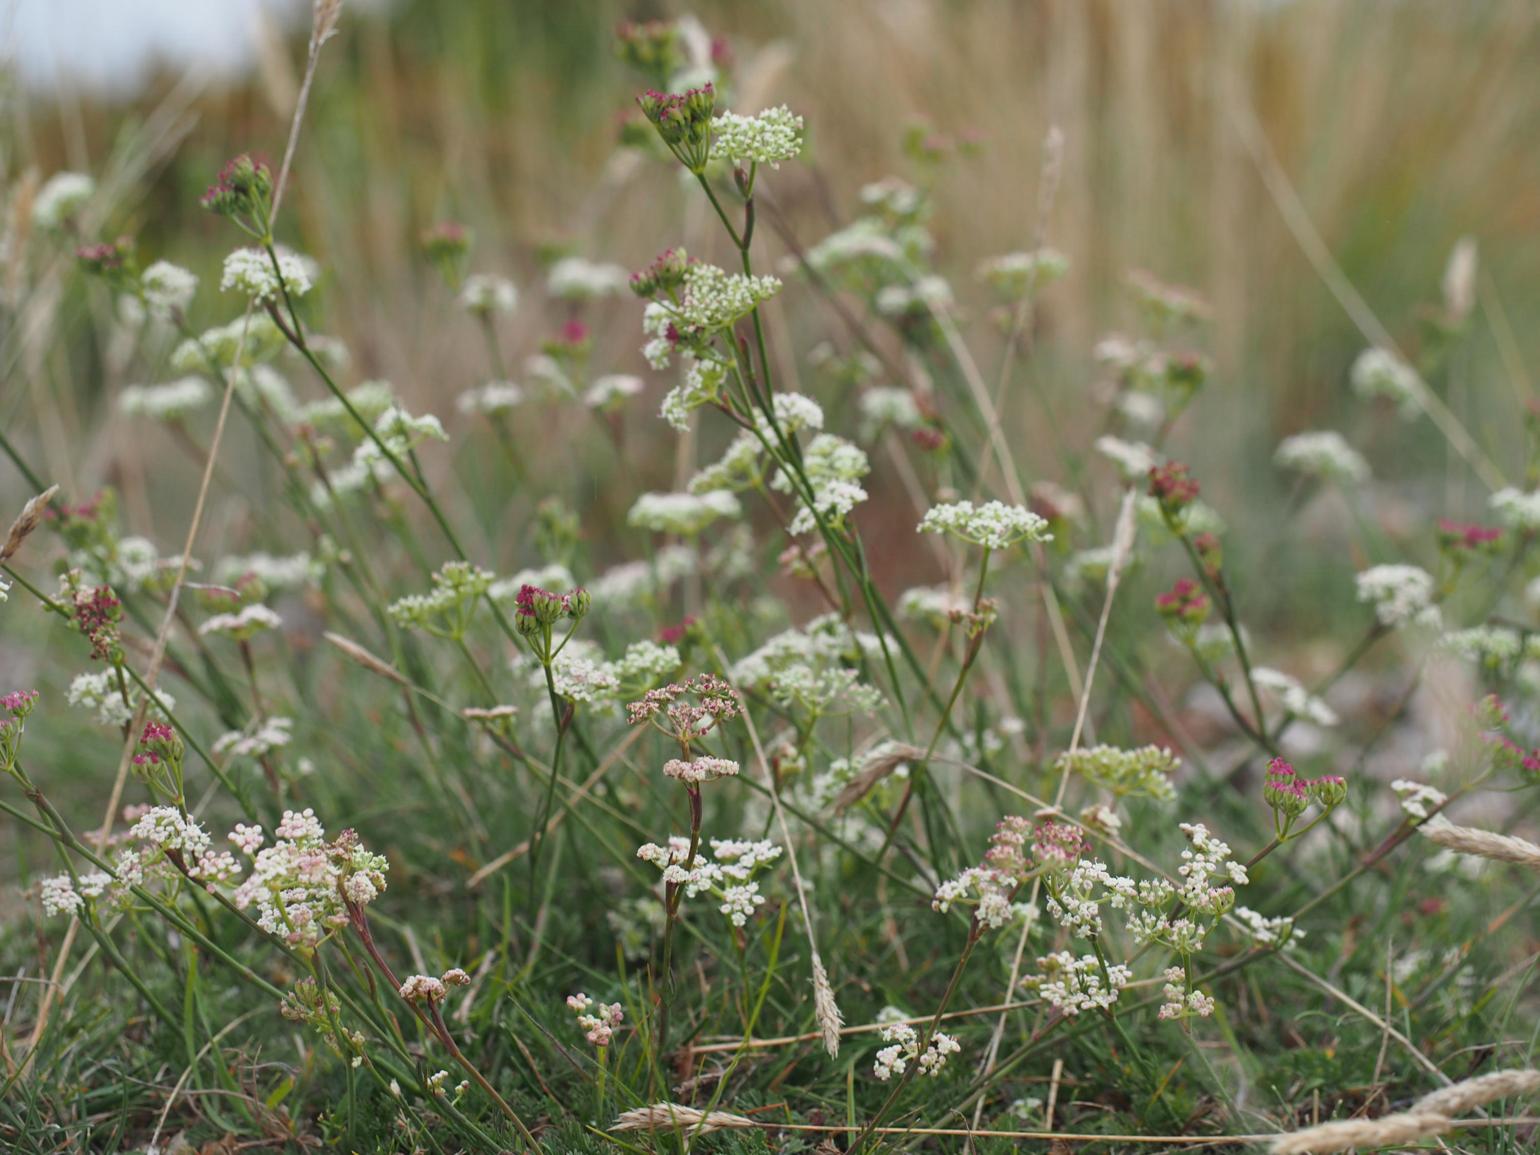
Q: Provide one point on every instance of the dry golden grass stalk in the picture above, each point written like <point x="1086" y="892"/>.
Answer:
<point x="1481" y="843"/>
<point x="669" y="1116"/>
<point x="877" y="767"/>
<point x="825" y="1009"/>
<point x="30" y="518"/>
<point x="1477" y="1092"/>
<point x="364" y="658"/>
<point x="1431" y="1115"/>
<point x="1363" y="1134"/>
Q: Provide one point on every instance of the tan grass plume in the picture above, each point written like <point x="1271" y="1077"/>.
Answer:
<point x="1481" y="843"/>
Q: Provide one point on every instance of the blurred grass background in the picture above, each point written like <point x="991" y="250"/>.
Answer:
<point x="1403" y="125"/>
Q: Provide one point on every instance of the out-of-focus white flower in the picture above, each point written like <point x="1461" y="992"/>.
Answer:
<point x="1324" y="454"/>
<point x="62" y="196"/>
<point x="172" y="401"/>
<point x="487" y="293"/>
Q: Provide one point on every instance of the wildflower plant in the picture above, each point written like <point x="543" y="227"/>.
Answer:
<point x="695" y="669"/>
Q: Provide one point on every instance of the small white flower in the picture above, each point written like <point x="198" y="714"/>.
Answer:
<point x="1418" y="799"/>
<point x="1324" y="454"/>
<point x="493" y="397"/>
<point x="1134" y="459"/>
<point x="1379" y="373"/>
<point x="1400" y="594"/>
<point x="172" y="401"/>
<point x="1517" y="509"/>
<point x="59" y="896"/>
<point x="579" y="279"/>
<point x="773" y="136"/>
<point x="487" y="293"/>
<point x="244" y="625"/>
<point x="611" y="389"/>
<point x="168" y="289"/>
<point x="993" y="525"/>
<point x="62" y="196"/>
<point x="250" y="272"/>
<point x="684" y="514"/>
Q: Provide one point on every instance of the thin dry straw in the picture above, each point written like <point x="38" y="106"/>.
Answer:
<point x="1481" y="843"/>
<point x="1429" y="1116"/>
<point x="669" y="1116"/>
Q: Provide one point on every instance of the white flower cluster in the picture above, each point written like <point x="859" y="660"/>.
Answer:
<point x="400" y="433"/>
<point x="1324" y="454"/>
<point x="276" y="573"/>
<point x="860" y="254"/>
<point x="1180" y="1002"/>
<point x="244" y="624"/>
<point x="251" y="273"/>
<point x="62" y="196"/>
<point x="1134" y="459"/>
<point x="487" y="293"/>
<point x="833" y="467"/>
<point x="709" y="301"/>
<point x="1267" y="931"/>
<point x="730" y="878"/>
<point x="1489" y="646"/>
<point x="579" y="279"/>
<point x="598" y="1027"/>
<point x="1073" y="984"/>
<point x="993" y="525"/>
<point x="812" y="669"/>
<point x="1379" y="373"/>
<point x="369" y="400"/>
<point x="1017" y="275"/>
<point x="986" y="891"/>
<point x="168" y="289"/>
<point x="580" y="672"/>
<point x="769" y="138"/>
<point x="1146" y="770"/>
<point x="1418" y="799"/>
<point x="260" y="738"/>
<point x="736" y="470"/>
<point x="612" y="389"/>
<point x="794" y="412"/>
<point x="888" y="405"/>
<point x="1293" y="697"/>
<point x="492" y="398"/>
<point x="172" y="401"/>
<point x="937" y="606"/>
<point x="698" y="770"/>
<point x="446" y="610"/>
<point x="632" y="583"/>
<point x="301" y="884"/>
<point x="160" y="832"/>
<point x="905" y="1049"/>
<point x="254" y="338"/>
<point x="918" y="298"/>
<point x="1400" y="594"/>
<point x="1517" y="509"/>
<point x="99" y="691"/>
<point x="682" y="514"/>
<point x="702" y="385"/>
